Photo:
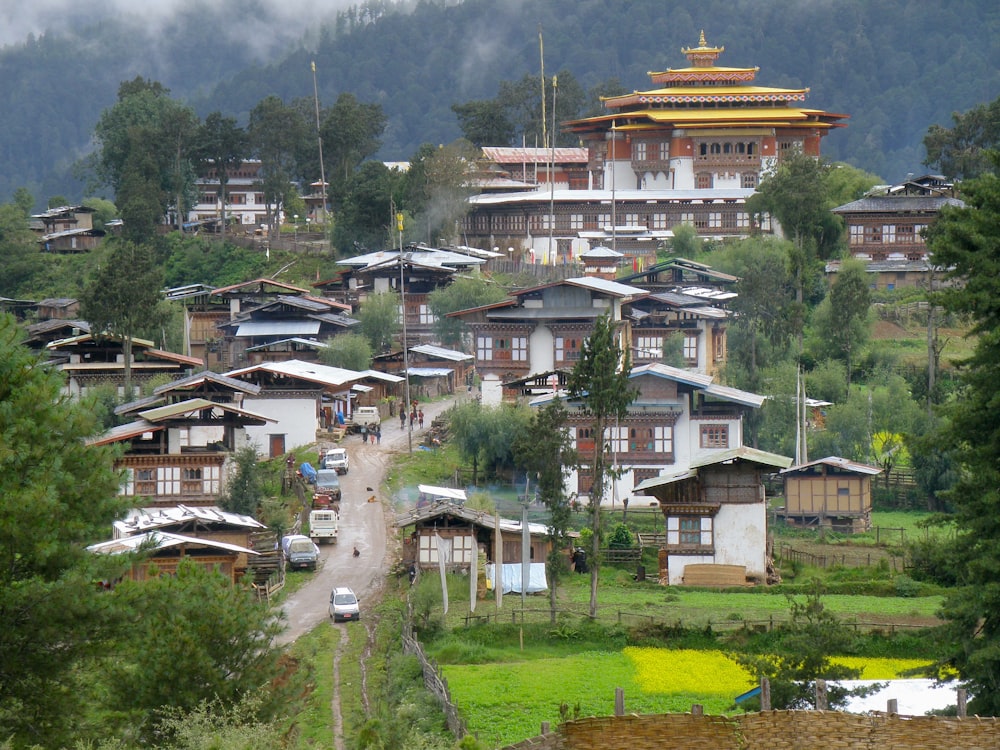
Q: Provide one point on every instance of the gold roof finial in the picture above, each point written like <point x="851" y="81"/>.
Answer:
<point x="701" y="39"/>
<point x="702" y="56"/>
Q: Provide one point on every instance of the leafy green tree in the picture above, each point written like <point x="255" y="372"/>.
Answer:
<point x="485" y="436"/>
<point x="366" y="207"/>
<point x="276" y="133"/>
<point x="352" y="351"/>
<point x="57" y="495"/>
<point x="967" y="242"/>
<point x="190" y="638"/>
<point x="807" y="644"/>
<point x="245" y="488"/>
<point x="850" y="303"/>
<point x="380" y="321"/>
<point x="463" y="293"/>
<point x="437" y="187"/>
<point x="469" y="430"/>
<point x="798" y="196"/>
<point x="20" y="258"/>
<point x="24" y="200"/>
<point x="140" y="195"/>
<point x="351" y="132"/>
<point x="484" y="122"/>
<point x="222" y="145"/>
<point x="123" y="304"/>
<point x="104" y="211"/>
<point x="685" y="242"/>
<point x="599" y="384"/>
<point x="545" y="451"/>
<point x="963" y="151"/>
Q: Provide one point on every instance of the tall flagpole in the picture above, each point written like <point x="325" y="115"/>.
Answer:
<point x="319" y="140"/>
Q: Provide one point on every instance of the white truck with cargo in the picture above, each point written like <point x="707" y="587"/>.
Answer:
<point x="368" y="417"/>
<point x="324" y="524"/>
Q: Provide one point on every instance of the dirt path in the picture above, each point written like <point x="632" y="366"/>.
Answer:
<point x="367" y="523"/>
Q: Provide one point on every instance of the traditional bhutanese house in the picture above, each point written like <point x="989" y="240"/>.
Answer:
<point x="302" y="399"/>
<point x="270" y="332"/>
<point x="715" y="516"/>
<point x="44" y="332"/>
<point x="452" y="529"/>
<point x="419" y="268"/>
<point x="206" y="307"/>
<point x="207" y="385"/>
<point x="832" y="493"/>
<point x="678" y="418"/>
<point x="701" y="326"/>
<point x="67" y="229"/>
<point x="160" y="553"/>
<point x="690" y="150"/>
<point x="58" y="308"/>
<point x="685" y="276"/>
<point x="885" y="229"/>
<point x="437" y="371"/>
<point x="541" y="329"/>
<point x="89" y="361"/>
<point x="180" y="452"/>
<point x="531" y="166"/>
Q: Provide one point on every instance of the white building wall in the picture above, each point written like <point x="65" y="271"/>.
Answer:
<point x="683" y="169"/>
<point x="297" y="419"/>
<point x="491" y="390"/>
<point x="541" y="350"/>
<point x="739" y="538"/>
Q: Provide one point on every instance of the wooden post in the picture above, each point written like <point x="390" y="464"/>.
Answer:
<point x="821" y="702"/>
<point x="619" y="701"/>
<point x="963" y="698"/>
<point x="697" y="709"/>
<point x="892" y="706"/>
<point x="545" y="727"/>
<point x="765" y="694"/>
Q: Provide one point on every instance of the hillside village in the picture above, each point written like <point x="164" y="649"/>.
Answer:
<point x="594" y="230"/>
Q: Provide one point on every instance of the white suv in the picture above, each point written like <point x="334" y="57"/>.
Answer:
<point x="336" y="458"/>
<point x="344" y="605"/>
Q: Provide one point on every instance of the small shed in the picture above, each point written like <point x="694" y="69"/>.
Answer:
<point x="833" y="493"/>
<point x="461" y="528"/>
<point x="160" y="553"/>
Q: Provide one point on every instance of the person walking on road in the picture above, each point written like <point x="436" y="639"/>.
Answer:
<point x="402" y="419"/>
<point x="378" y="434"/>
<point x="420" y="418"/>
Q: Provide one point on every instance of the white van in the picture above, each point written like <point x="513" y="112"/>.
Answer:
<point x="366" y="415"/>
<point x="344" y="605"/>
<point x="336" y="458"/>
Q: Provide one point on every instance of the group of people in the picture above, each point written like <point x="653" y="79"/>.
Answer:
<point x="416" y="418"/>
<point x="371" y="433"/>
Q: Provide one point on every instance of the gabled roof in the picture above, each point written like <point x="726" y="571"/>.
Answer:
<point x="529" y="155"/>
<point x="207" y="376"/>
<point x="260" y="284"/>
<point x="160" y="540"/>
<point x="415" y="255"/>
<point x="306" y="343"/>
<point x="312" y="372"/>
<point x="835" y="462"/>
<point x="698" y="381"/>
<point x="126" y="432"/>
<point x="141" y="520"/>
<point x="477" y="517"/>
<point x="195" y="406"/>
<point x="894" y="204"/>
<point x="743" y="453"/>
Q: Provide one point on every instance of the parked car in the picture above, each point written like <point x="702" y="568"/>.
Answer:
<point x="337" y="459"/>
<point x="300" y="551"/>
<point x="328" y="483"/>
<point x="344" y="605"/>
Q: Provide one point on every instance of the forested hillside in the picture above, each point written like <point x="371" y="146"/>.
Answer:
<point x="895" y="66"/>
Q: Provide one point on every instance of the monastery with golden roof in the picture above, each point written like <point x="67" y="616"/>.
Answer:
<point x="691" y="150"/>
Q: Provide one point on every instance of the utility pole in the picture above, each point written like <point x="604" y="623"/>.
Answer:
<point x="319" y="140"/>
<point x="406" y="357"/>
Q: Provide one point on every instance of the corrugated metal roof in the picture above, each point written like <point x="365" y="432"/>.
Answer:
<point x="898" y="203"/>
<point x="743" y="453"/>
<point x="605" y="286"/>
<point x="278" y="328"/>
<point x="430" y="372"/>
<point x="441" y="353"/>
<point x="308" y="343"/>
<point x="140" y="520"/>
<point x="836" y="462"/>
<point x="158" y="540"/>
<point x="735" y="394"/>
<point x="310" y="371"/>
<point x="207" y="376"/>
<point x="175" y="410"/>
<point x="522" y="154"/>
<point x="125" y="432"/>
<point x="479" y="517"/>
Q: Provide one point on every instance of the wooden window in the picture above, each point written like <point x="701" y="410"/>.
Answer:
<point x="703" y="180"/>
<point x="649" y="347"/>
<point x="690" y="530"/>
<point x="519" y="348"/>
<point x="639" y="151"/>
<point x="749" y="179"/>
<point x="664" y="152"/>
<point x="660" y="221"/>
<point x="426" y="316"/>
<point x="691" y="349"/>
<point x="857" y="234"/>
<point x="715" y="436"/>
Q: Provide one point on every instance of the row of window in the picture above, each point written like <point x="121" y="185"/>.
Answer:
<point x="235" y="199"/>
<point x="567" y="349"/>
<point x="173" y="480"/>
<point x="651" y="439"/>
<point x="887" y="234"/>
<point x="646" y="151"/>
<point x="706" y="180"/>
<point x="486" y="223"/>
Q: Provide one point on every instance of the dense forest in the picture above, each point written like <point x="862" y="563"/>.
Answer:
<point x="895" y="67"/>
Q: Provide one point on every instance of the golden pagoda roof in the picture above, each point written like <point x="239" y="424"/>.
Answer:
<point x="705" y="94"/>
<point x="763" y="117"/>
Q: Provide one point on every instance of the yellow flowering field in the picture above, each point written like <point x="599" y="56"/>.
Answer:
<point x="506" y="702"/>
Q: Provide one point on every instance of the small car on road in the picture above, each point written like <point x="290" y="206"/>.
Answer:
<point x="344" y="605"/>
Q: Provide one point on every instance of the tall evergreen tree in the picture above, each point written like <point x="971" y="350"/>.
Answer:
<point x="223" y="145"/>
<point x="56" y="495"/>
<point x="967" y="242"/>
<point x="599" y="383"/>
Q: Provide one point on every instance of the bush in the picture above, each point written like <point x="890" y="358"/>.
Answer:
<point x="620" y="537"/>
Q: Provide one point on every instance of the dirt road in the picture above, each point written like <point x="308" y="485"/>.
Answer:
<point x="363" y="524"/>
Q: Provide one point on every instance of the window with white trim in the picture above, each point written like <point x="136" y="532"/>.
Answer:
<point x="426" y="316"/>
<point x="655" y="439"/>
<point x="660" y="221"/>
<point x="687" y="217"/>
<point x="689" y="531"/>
<point x="576" y="221"/>
<point x="889" y="234"/>
<point x="639" y="151"/>
<point x="714" y="436"/>
<point x="484" y="348"/>
<point x="691" y="348"/>
<point x="665" y="151"/>
<point x="649" y="347"/>
<point x="714" y="220"/>
<point x="857" y="234"/>
<point x="519" y="348"/>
